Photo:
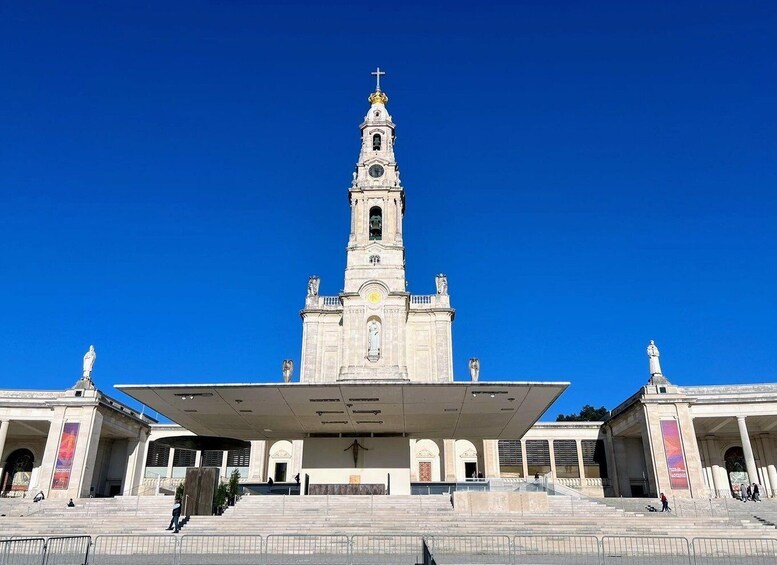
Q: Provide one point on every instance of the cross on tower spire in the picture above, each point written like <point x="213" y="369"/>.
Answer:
<point x="377" y="74"/>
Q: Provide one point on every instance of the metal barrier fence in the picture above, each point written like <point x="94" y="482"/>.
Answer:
<point x="23" y="551"/>
<point x="549" y="550"/>
<point x="627" y="550"/>
<point x="470" y="549"/>
<point x="226" y="550"/>
<point x="312" y="549"/>
<point x="134" y="550"/>
<point x="715" y="551"/>
<point x="67" y="550"/>
<point x="386" y="550"/>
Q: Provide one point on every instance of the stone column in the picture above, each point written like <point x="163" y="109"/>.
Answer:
<point x="170" y="459"/>
<point x="552" y="454"/>
<point x="413" y="463"/>
<point x="197" y="458"/>
<point x="771" y="470"/>
<point x="612" y="463"/>
<point x="580" y="465"/>
<point x="90" y="456"/>
<point x="128" y="487"/>
<point x="49" y="459"/>
<point x="3" y="435"/>
<point x="449" y="459"/>
<point x="524" y="462"/>
<point x="752" y="471"/>
<point x="224" y="455"/>
<point x="708" y="450"/>
<point x="490" y="459"/>
<point x="255" y="472"/>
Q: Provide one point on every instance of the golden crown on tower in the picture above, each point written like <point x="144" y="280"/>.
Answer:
<point x="378" y="97"/>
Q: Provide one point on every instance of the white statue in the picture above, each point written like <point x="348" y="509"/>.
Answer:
<point x="288" y="370"/>
<point x="442" y="284"/>
<point x="474" y="369"/>
<point x="373" y="331"/>
<point x="89" y="358"/>
<point x="652" y="353"/>
<point x="313" y="283"/>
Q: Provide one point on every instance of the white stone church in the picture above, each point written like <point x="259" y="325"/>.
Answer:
<point x="376" y="407"/>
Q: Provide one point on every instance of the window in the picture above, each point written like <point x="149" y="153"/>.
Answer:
<point x="594" y="460"/>
<point x="374" y="259"/>
<point x="158" y="455"/>
<point x="239" y="457"/>
<point x="376" y="142"/>
<point x="212" y="458"/>
<point x="184" y="458"/>
<point x="510" y="458"/>
<point x="376" y="224"/>
<point x="565" y="454"/>
<point x="537" y="456"/>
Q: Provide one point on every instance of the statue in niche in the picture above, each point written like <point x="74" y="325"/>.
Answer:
<point x="474" y="369"/>
<point x="373" y="333"/>
<point x="313" y="283"/>
<point x="89" y="359"/>
<point x="652" y="353"/>
<point x="442" y="284"/>
<point x="288" y="370"/>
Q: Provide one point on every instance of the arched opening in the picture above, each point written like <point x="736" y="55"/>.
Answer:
<point x="18" y="471"/>
<point x="376" y="142"/>
<point x="376" y="223"/>
<point x="736" y="469"/>
<point x="735" y="460"/>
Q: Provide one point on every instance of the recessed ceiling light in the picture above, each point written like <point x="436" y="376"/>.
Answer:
<point x="267" y="430"/>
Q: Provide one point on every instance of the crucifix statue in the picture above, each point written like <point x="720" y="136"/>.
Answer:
<point x="377" y="74"/>
<point x="355" y="446"/>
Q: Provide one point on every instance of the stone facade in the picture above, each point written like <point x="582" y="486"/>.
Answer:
<point x="68" y="444"/>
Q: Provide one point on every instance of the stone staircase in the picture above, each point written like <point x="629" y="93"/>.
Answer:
<point x="91" y="516"/>
<point x="381" y="515"/>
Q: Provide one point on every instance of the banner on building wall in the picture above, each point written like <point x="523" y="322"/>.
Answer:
<point x="65" y="454"/>
<point x="675" y="460"/>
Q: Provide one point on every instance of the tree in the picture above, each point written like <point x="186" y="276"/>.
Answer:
<point x="233" y="486"/>
<point x="587" y="414"/>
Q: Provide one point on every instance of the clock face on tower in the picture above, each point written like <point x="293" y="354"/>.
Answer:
<point x="376" y="171"/>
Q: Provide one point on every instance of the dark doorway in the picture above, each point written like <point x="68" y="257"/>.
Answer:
<point x="280" y="473"/>
<point x="18" y="471"/>
<point x="471" y="470"/>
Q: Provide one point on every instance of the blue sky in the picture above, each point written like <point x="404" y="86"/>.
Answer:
<point x="589" y="175"/>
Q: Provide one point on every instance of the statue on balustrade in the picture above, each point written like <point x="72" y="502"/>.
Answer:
<point x="474" y="369"/>
<point x="313" y="283"/>
<point x="288" y="370"/>
<point x="442" y="284"/>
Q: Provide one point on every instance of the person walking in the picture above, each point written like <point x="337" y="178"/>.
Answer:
<point x="665" y="503"/>
<point x="756" y="493"/>
<point x="176" y="516"/>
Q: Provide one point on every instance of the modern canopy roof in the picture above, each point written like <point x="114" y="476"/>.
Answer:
<point x="475" y="410"/>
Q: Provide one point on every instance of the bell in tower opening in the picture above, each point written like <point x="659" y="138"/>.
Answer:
<point x="376" y="223"/>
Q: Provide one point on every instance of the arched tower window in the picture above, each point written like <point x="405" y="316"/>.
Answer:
<point x="376" y="142"/>
<point x="376" y="223"/>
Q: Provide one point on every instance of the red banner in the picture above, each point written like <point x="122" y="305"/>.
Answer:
<point x="65" y="455"/>
<point x="675" y="460"/>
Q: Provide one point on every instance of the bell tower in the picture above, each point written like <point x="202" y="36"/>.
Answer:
<point x="374" y="329"/>
<point x="375" y="249"/>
